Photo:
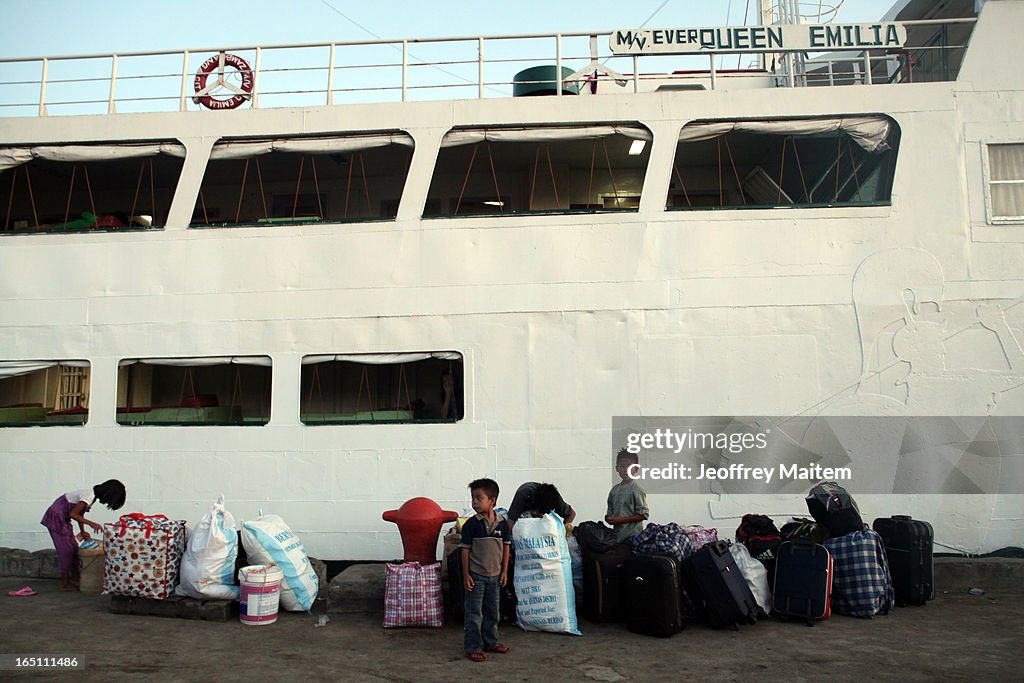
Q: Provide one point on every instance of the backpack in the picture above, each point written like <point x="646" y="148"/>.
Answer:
<point x="760" y="536"/>
<point x="594" y="537"/>
<point x="832" y="505"/>
<point x="801" y="527"/>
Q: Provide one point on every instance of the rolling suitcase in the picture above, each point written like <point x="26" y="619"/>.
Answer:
<point x="803" y="581"/>
<point x="603" y="584"/>
<point x="718" y="588"/>
<point x="652" y="592"/>
<point x="908" y="547"/>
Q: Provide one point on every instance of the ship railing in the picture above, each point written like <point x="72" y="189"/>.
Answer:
<point x="468" y="67"/>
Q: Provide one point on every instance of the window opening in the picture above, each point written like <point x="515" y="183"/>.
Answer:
<point x="194" y="391"/>
<point x="304" y="180"/>
<point x="382" y="388"/>
<point x="73" y="188"/>
<point x="794" y="162"/>
<point x="544" y="169"/>
<point x="44" y="393"/>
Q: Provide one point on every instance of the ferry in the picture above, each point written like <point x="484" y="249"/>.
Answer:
<point x="322" y="285"/>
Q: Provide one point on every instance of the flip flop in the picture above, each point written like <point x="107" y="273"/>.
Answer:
<point x="500" y="649"/>
<point x="21" y="592"/>
<point x="476" y="656"/>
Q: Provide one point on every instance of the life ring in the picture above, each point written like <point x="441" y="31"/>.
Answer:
<point x="215" y="64"/>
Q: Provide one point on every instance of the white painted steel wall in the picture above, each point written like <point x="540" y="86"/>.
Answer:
<point x="564" y="320"/>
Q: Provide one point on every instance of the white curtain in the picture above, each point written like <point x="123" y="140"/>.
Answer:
<point x="14" y="368"/>
<point x="1006" y="180"/>
<point x="15" y="156"/>
<point x="381" y="358"/>
<point x="263" y="361"/>
<point x="246" y="149"/>
<point x="541" y="134"/>
<point x="870" y="132"/>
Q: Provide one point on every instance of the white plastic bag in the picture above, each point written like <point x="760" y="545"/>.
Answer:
<point x="756" y="575"/>
<point x="208" y="563"/>
<point x="268" y="540"/>
<point x="543" y="576"/>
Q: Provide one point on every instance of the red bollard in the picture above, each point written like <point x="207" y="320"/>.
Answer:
<point x="419" y="522"/>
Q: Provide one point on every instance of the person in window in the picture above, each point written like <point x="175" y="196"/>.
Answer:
<point x="451" y="398"/>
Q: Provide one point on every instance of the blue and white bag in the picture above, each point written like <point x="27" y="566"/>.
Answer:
<point x="543" y="576"/>
<point x="268" y="540"/>
<point x="208" y="563"/>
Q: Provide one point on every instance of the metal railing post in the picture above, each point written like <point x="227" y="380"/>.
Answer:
<point x="480" y="62"/>
<point x="712" y="72"/>
<point x="256" y="79"/>
<point x="405" y="70"/>
<point x="111" y="107"/>
<point x="183" y="104"/>
<point x="636" y="74"/>
<point x="558" y="63"/>
<point x="867" y="67"/>
<point x="330" y="78"/>
<point x="42" y="87"/>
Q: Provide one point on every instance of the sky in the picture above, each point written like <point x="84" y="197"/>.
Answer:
<point x="32" y="28"/>
<point x="53" y="28"/>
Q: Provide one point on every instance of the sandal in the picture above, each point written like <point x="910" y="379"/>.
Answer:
<point x="21" y="592"/>
<point x="500" y="649"/>
<point x="476" y="656"/>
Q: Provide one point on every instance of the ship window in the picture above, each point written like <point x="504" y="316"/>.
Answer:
<point x="228" y="390"/>
<point x="294" y="181"/>
<point x="846" y="161"/>
<point x="1005" y="182"/>
<point x="88" y="188"/>
<point x="503" y="171"/>
<point x="34" y="393"/>
<point x="382" y="388"/>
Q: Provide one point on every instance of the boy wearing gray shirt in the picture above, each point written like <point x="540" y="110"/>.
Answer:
<point x="627" y="502"/>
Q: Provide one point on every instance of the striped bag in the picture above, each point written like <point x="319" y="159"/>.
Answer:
<point x="412" y="595"/>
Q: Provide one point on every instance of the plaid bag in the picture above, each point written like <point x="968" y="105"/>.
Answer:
<point x="143" y="555"/>
<point x="861" y="584"/>
<point x="412" y="595"/>
<point x="659" y="539"/>
<point x="700" y="536"/>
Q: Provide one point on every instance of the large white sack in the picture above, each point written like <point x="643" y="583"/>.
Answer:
<point x="208" y="563"/>
<point x="268" y="540"/>
<point x="756" y="575"/>
<point x="543" y="576"/>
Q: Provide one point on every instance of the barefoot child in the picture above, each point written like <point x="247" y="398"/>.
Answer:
<point x="73" y="506"/>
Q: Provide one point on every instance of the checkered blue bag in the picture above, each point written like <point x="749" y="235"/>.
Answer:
<point x="662" y="539"/>
<point x="861" y="584"/>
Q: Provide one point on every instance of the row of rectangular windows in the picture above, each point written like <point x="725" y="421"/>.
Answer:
<point x="334" y="389"/>
<point x="493" y="171"/>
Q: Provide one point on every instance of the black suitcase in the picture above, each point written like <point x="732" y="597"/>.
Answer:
<point x="908" y="547"/>
<point x="603" y="584"/>
<point x="718" y="588"/>
<point x="653" y="589"/>
<point x="803" y="581"/>
<point x="455" y="600"/>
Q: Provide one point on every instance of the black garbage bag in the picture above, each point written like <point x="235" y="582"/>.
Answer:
<point x="833" y="507"/>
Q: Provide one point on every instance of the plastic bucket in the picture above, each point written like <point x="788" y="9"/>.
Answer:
<point x="260" y="593"/>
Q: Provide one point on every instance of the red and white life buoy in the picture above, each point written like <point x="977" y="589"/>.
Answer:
<point x="205" y="95"/>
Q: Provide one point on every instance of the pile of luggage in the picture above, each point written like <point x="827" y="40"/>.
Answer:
<point x="669" y="574"/>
